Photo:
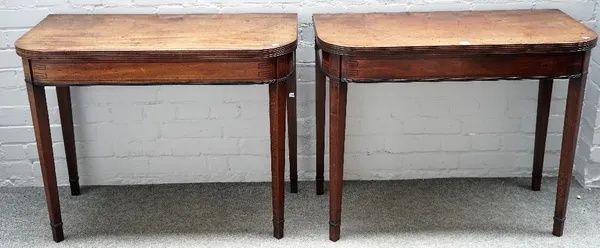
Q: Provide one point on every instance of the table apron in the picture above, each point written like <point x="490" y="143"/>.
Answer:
<point x="484" y="67"/>
<point x="115" y="73"/>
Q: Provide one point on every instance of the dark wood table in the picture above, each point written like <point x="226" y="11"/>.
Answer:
<point x="219" y="49"/>
<point x="444" y="46"/>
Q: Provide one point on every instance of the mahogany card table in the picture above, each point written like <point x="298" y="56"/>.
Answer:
<point x="218" y="49"/>
<point x="445" y="46"/>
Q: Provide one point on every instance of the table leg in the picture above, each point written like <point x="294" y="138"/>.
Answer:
<point x="337" y="132"/>
<point x="41" y="127"/>
<point x="292" y="132"/>
<point x="277" y="102"/>
<point x="320" y="91"/>
<point x="569" y="143"/>
<point x="63" y="94"/>
<point x="541" y="130"/>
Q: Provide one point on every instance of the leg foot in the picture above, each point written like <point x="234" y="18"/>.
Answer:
<point x="278" y="229"/>
<point x="75" y="189"/>
<point x="57" y="232"/>
<point x="294" y="185"/>
<point x="559" y="225"/>
<point x="536" y="183"/>
<point x="320" y="186"/>
<point x="334" y="231"/>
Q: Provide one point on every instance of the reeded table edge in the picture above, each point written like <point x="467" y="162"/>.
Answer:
<point x="581" y="46"/>
<point x="457" y="49"/>
<point x="184" y="55"/>
<point x="143" y="55"/>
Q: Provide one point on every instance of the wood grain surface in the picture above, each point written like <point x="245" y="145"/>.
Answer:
<point x="511" y="31"/>
<point x="460" y="67"/>
<point x="182" y="36"/>
<point x="119" y="73"/>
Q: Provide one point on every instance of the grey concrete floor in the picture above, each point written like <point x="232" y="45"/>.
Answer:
<point x="412" y="213"/>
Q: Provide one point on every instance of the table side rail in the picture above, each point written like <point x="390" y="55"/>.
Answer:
<point x="363" y="69"/>
<point x="57" y="73"/>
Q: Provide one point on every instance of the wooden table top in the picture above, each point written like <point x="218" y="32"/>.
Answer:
<point x="193" y="36"/>
<point x="513" y="31"/>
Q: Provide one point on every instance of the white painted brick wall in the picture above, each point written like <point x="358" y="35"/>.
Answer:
<point x="178" y="134"/>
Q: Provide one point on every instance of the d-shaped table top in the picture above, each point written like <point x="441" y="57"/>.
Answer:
<point x="485" y="32"/>
<point x="213" y="36"/>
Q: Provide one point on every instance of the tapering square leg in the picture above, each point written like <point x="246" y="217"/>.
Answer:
<point x="337" y="136"/>
<point x="292" y="131"/>
<point x="277" y="104"/>
<point x="541" y="130"/>
<point x="63" y="94"/>
<point x="320" y="91"/>
<point x="569" y="143"/>
<point x="337" y="128"/>
<point x="41" y="127"/>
